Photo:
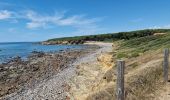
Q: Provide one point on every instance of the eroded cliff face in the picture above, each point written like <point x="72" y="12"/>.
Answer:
<point x="106" y="60"/>
<point x="91" y="72"/>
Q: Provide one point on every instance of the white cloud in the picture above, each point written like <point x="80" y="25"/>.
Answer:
<point x="161" y="27"/>
<point x="37" y="20"/>
<point x="35" y="25"/>
<point x="167" y="26"/>
<point x="78" y="21"/>
<point x="5" y="14"/>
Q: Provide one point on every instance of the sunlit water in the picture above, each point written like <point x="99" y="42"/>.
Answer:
<point x="8" y="50"/>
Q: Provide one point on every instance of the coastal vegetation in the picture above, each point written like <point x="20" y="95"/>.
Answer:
<point x="109" y="37"/>
<point x="137" y="46"/>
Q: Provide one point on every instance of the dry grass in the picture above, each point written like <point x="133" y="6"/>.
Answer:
<point x="143" y="85"/>
<point x="143" y="77"/>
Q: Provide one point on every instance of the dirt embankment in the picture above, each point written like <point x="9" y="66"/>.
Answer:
<point x="90" y="71"/>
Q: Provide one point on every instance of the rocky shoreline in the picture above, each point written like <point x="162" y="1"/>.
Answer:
<point x="18" y="75"/>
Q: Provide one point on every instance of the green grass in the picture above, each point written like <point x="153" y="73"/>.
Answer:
<point x="122" y="55"/>
<point x="135" y="47"/>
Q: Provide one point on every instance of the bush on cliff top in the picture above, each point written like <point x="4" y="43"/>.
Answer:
<point x="113" y="36"/>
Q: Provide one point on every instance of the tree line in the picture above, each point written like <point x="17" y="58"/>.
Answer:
<point x="113" y="36"/>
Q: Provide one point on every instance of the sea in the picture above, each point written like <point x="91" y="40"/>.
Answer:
<point x="9" y="50"/>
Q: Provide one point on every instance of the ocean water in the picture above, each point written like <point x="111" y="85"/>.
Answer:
<point x="23" y="49"/>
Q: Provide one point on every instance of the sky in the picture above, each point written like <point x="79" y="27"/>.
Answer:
<point x="39" y="20"/>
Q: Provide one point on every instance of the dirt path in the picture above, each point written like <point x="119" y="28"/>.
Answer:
<point x="89" y="73"/>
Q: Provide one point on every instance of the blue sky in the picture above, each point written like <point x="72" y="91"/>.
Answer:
<point x="37" y="20"/>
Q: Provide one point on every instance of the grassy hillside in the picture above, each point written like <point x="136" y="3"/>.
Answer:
<point x="143" y="69"/>
<point x="110" y="36"/>
<point x="135" y="47"/>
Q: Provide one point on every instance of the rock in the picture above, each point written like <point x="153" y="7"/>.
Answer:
<point x="35" y="67"/>
<point x="16" y="59"/>
<point x="2" y="74"/>
<point x="38" y="53"/>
